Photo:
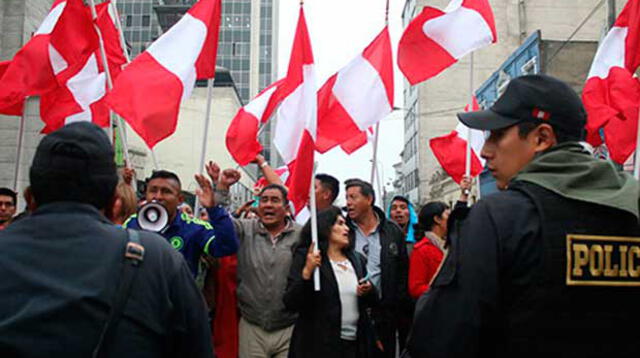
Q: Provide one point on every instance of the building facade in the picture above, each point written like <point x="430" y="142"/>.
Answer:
<point x="431" y="105"/>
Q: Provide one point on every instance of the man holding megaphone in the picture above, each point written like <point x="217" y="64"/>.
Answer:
<point x="191" y="236"/>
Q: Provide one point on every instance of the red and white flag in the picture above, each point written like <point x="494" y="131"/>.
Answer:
<point x="356" y="98"/>
<point x="82" y="97"/>
<point x="450" y="150"/>
<point x="15" y="109"/>
<point x="242" y="134"/>
<point x="147" y="94"/>
<point x="295" y="130"/>
<point x="59" y="48"/>
<point x="612" y="93"/>
<point x="437" y="39"/>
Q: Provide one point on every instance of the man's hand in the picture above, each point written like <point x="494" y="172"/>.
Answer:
<point x="128" y="174"/>
<point x="205" y="193"/>
<point x="244" y="208"/>
<point x="213" y="170"/>
<point x="228" y="178"/>
<point x="465" y="188"/>
<point x="259" y="159"/>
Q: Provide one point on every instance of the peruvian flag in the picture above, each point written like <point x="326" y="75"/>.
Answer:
<point x="612" y="93"/>
<point x="358" y="141"/>
<point x="295" y="131"/>
<point x="147" y="94"/>
<point x="437" y="39"/>
<point x="451" y="149"/>
<point x="59" y="48"/>
<point x="356" y="98"/>
<point x="282" y="172"/>
<point x="242" y="134"/>
<point x="82" y="97"/>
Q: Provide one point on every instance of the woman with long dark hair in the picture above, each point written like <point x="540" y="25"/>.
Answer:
<point x="332" y="322"/>
<point x="430" y="234"/>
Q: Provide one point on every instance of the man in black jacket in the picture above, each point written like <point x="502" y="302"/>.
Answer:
<point x="549" y="266"/>
<point x="382" y="242"/>
<point x="61" y="266"/>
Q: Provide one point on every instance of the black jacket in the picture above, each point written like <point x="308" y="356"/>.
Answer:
<point x="60" y="267"/>
<point x="501" y="290"/>
<point x="317" y="330"/>
<point x="394" y="263"/>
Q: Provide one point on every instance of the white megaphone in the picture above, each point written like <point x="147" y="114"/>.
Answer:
<point x="153" y="216"/>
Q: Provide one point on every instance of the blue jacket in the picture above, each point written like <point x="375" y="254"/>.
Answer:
<point x="193" y="237"/>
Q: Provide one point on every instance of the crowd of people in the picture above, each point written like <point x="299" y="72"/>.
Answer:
<point x="83" y="275"/>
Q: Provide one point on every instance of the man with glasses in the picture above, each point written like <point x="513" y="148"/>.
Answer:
<point x="8" y="201"/>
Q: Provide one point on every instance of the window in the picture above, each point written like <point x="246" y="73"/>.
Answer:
<point x="146" y="20"/>
<point x="529" y="68"/>
<point x="129" y="20"/>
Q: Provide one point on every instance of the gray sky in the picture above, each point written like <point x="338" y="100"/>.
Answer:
<point x="339" y="30"/>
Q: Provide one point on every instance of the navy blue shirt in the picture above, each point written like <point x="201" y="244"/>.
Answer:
<point x="193" y="237"/>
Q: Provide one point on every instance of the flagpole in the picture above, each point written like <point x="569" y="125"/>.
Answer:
<point x="636" y="164"/>
<point x="19" y="149"/>
<point x="105" y="64"/>
<point x="375" y="141"/>
<point x="207" y="118"/>
<point x="123" y="44"/>
<point x="467" y="158"/>
<point x="314" y="225"/>
<point x="467" y="162"/>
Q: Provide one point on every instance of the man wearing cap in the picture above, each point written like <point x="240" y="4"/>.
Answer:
<point x="62" y="266"/>
<point x="549" y="266"/>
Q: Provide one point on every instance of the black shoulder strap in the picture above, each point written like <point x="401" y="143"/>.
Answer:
<point x="133" y="256"/>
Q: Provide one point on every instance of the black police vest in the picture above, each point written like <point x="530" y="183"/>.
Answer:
<point x="584" y="303"/>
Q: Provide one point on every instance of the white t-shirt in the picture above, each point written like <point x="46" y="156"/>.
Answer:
<point x="348" y="286"/>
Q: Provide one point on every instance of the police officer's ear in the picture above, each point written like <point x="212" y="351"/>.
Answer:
<point x="544" y="137"/>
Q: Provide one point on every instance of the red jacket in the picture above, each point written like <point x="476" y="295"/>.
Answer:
<point x="423" y="264"/>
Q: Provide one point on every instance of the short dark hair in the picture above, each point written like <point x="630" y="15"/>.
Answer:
<point x="10" y="193"/>
<point x="325" y="220"/>
<point x="426" y="218"/>
<point x="74" y="163"/>
<point x="525" y="127"/>
<point x="400" y="198"/>
<point x="278" y="187"/>
<point x="330" y="183"/>
<point x="366" y="189"/>
<point x="164" y="174"/>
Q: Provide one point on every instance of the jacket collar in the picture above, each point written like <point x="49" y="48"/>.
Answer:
<point x="289" y="227"/>
<point x="70" y="207"/>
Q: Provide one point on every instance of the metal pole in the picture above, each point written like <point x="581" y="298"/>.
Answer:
<point x="611" y="13"/>
<point x="314" y="226"/>
<point x="467" y="161"/>
<point x="636" y="164"/>
<point x="375" y="153"/>
<point x="16" y="175"/>
<point x="207" y="116"/>
<point x="105" y="64"/>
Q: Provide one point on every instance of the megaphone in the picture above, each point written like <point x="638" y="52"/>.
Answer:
<point x="153" y="216"/>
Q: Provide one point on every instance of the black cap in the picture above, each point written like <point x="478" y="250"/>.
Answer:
<point x="532" y="98"/>
<point x="74" y="163"/>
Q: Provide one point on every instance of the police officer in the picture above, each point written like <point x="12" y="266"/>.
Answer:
<point x="549" y="266"/>
<point x="191" y="236"/>
<point x="62" y="267"/>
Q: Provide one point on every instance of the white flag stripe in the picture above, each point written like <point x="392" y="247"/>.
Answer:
<point x="297" y="113"/>
<point x="50" y="21"/>
<point x="459" y="32"/>
<point x="58" y="64"/>
<point x="257" y="105"/>
<point x="610" y="54"/>
<point x="178" y="49"/>
<point x="88" y="85"/>
<point x="361" y="92"/>
<point x="476" y="142"/>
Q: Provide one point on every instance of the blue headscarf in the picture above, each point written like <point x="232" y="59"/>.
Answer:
<point x="413" y="217"/>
